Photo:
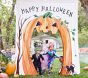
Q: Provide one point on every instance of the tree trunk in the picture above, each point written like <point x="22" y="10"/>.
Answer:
<point x="18" y="58"/>
<point x="1" y="41"/>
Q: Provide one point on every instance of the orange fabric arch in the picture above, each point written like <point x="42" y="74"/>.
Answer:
<point x="66" y="49"/>
<point x="28" y="66"/>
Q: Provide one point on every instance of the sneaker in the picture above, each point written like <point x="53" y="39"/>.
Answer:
<point x="41" y="75"/>
<point x="48" y="74"/>
<point x="44" y="71"/>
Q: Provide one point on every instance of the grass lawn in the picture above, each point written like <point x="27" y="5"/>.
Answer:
<point x="54" y="74"/>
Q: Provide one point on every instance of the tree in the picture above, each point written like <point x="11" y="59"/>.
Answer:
<point x="1" y="42"/>
<point x="83" y="23"/>
<point x="84" y="4"/>
<point x="8" y="21"/>
<point x="82" y="20"/>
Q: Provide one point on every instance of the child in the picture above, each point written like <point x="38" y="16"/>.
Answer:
<point x="36" y="61"/>
<point x="51" y="56"/>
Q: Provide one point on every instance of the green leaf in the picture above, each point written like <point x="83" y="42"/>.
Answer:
<point x="74" y="29"/>
<point x="73" y="33"/>
<point x="66" y="22"/>
<point x="35" y="15"/>
<point x="61" y="22"/>
<point x="73" y="38"/>
<point x="48" y="14"/>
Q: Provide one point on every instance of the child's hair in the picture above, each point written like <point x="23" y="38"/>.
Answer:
<point x="51" y="44"/>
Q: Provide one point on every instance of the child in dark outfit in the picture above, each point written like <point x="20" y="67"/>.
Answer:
<point x="36" y="61"/>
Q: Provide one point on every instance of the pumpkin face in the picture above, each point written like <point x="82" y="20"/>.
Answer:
<point x="46" y="24"/>
<point x="10" y="68"/>
<point x="3" y="75"/>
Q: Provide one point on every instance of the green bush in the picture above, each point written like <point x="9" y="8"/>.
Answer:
<point x="4" y="58"/>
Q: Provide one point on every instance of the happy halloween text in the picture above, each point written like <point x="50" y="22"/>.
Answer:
<point x="49" y="8"/>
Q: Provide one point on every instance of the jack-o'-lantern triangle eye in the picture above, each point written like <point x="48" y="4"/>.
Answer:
<point x="38" y="23"/>
<point x="54" y="25"/>
<point x="46" y="27"/>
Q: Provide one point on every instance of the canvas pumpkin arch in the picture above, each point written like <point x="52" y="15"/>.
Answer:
<point x="45" y="24"/>
<point x="32" y="11"/>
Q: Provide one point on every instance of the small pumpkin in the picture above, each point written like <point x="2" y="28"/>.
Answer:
<point x="3" y="75"/>
<point x="10" y="68"/>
